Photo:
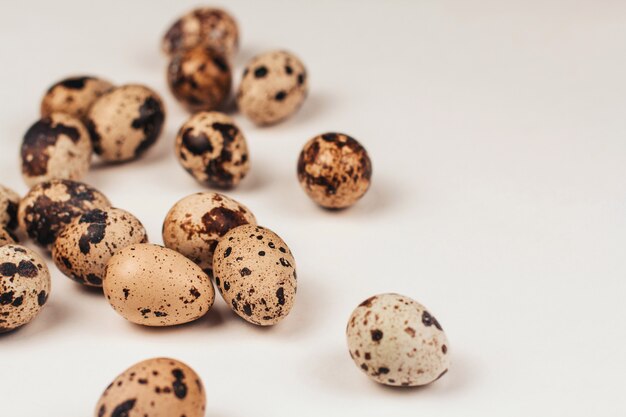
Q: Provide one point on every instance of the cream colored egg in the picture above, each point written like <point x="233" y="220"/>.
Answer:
<point x="73" y="96"/>
<point x="159" y="387"/>
<point x="396" y="341"/>
<point x="255" y="272"/>
<point x="9" y="201"/>
<point x="6" y="237"/>
<point x="156" y="286"/>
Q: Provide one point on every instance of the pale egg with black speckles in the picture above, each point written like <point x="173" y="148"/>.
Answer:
<point x="74" y="95"/>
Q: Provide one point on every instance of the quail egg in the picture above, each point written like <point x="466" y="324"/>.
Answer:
<point x="73" y="96"/>
<point x="9" y="201"/>
<point x="6" y="237"/>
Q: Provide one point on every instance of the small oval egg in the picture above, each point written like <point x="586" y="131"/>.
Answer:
<point x="396" y="341"/>
<point x="208" y="26"/>
<point x="57" y="146"/>
<point x="156" y="286"/>
<point x="200" y="79"/>
<point x="9" y="202"/>
<point x="24" y="286"/>
<point x="73" y="96"/>
<point x="334" y="170"/>
<point x="255" y="272"/>
<point x="84" y="247"/>
<point x="158" y="387"/>
<point x="213" y="150"/>
<point x="6" y="237"/>
<point x="273" y="87"/>
<point x="125" y="122"/>
<point x="194" y="225"/>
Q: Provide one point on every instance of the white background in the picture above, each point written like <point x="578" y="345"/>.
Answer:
<point x="497" y="131"/>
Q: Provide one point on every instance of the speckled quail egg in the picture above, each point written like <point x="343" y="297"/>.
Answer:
<point x="73" y="96"/>
<point x="194" y="225"/>
<point x="206" y="26"/>
<point x="273" y="87"/>
<point x="156" y="286"/>
<point x="6" y="237"/>
<point x="255" y="272"/>
<point x="200" y="78"/>
<point x="24" y="286"/>
<point x="84" y="247"/>
<point x="9" y="202"/>
<point x="159" y="387"/>
<point x="125" y="122"/>
<point x="57" y="146"/>
<point x="51" y="205"/>
<point x="334" y="170"/>
<point x="213" y="150"/>
<point x="396" y="341"/>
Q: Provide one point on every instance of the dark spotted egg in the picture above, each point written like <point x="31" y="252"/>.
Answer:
<point x="51" y="205"/>
<point x="273" y="87"/>
<point x="57" y="146"/>
<point x="334" y="170"/>
<point x="213" y="150"/>
<point x="84" y="247"/>
<point x="255" y="272"/>
<point x="9" y="202"/>
<point x="159" y="387"/>
<point x="194" y="225"/>
<point x="156" y="286"/>
<point x="396" y="341"/>
<point x="24" y="286"/>
<point x="125" y="122"/>
<point x="73" y="96"/>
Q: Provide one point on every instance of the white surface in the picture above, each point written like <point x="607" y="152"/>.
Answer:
<point x="497" y="131"/>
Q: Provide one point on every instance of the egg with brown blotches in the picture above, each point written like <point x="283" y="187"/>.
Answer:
<point x="9" y="202"/>
<point x="84" y="247"/>
<point x="396" y="341"/>
<point x="6" y="237"/>
<point x="255" y="272"/>
<point x="156" y="286"/>
<point x="73" y="96"/>
<point x="158" y="387"/>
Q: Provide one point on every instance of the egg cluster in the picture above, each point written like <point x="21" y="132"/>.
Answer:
<point x="210" y="240"/>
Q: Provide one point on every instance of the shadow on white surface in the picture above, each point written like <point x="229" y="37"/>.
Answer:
<point x="52" y="316"/>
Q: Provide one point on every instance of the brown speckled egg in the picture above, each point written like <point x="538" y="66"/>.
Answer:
<point x="213" y="150"/>
<point x="125" y="122"/>
<point x="24" y="286"/>
<point x="50" y="206"/>
<point x="6" y="237"/>
<point x="73" y="96"/>
<point x="396" y="341"/>
<point x="84" y="247"/>
<point x="196" y="223"/>
<point x="334" y="170"/>
<point x="255" y="272"/>
<point x="9" y="201"/>
<point x="206" y="26"/>
<point x="156" y="286"/>
<point x="159" y="387"/>
<point x="57" y="146"/>
<point x="273" y="87"/>
<point x="200" y="79"/>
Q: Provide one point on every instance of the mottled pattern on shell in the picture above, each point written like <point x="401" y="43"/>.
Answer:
<point x="213" y="150"/>
<point x="84" y="247"/>
<point x="194" y="225"/>
<point x="256" y="274"/>
<point x="9" y="202"/>
<point x="159" y="387"/>
<point x="334" y="170"/>
<point x="73" y="96"/>
<point x="6" y="237"/>
<point x="396" y="341"/>
<point x="273" y="87"/>
<point x="24" y="286"/>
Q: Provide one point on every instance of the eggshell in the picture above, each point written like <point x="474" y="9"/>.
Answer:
<point x="159" y="387"/>
<point x="213" y="150"/>
<point x="6" y="237"/>
<point x="206" y="26"/>
<point x="73" y="96"/>
<point x="24" y="286"/>
<point x="255" y="273"/>
<point x="51" y="205"/>
<point x="273" y="87"/>
<point x="125" y="122"/>
<point x="396" y="341"/>
<point x="57" y="146"/>
<point x="194" y="225"/>
<point x="334" y="170"/>
<point x="84" y="247"/>
<point x="9" y="201"/>
<point x="200" y="79"/>
<point x="156" y="286"/>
